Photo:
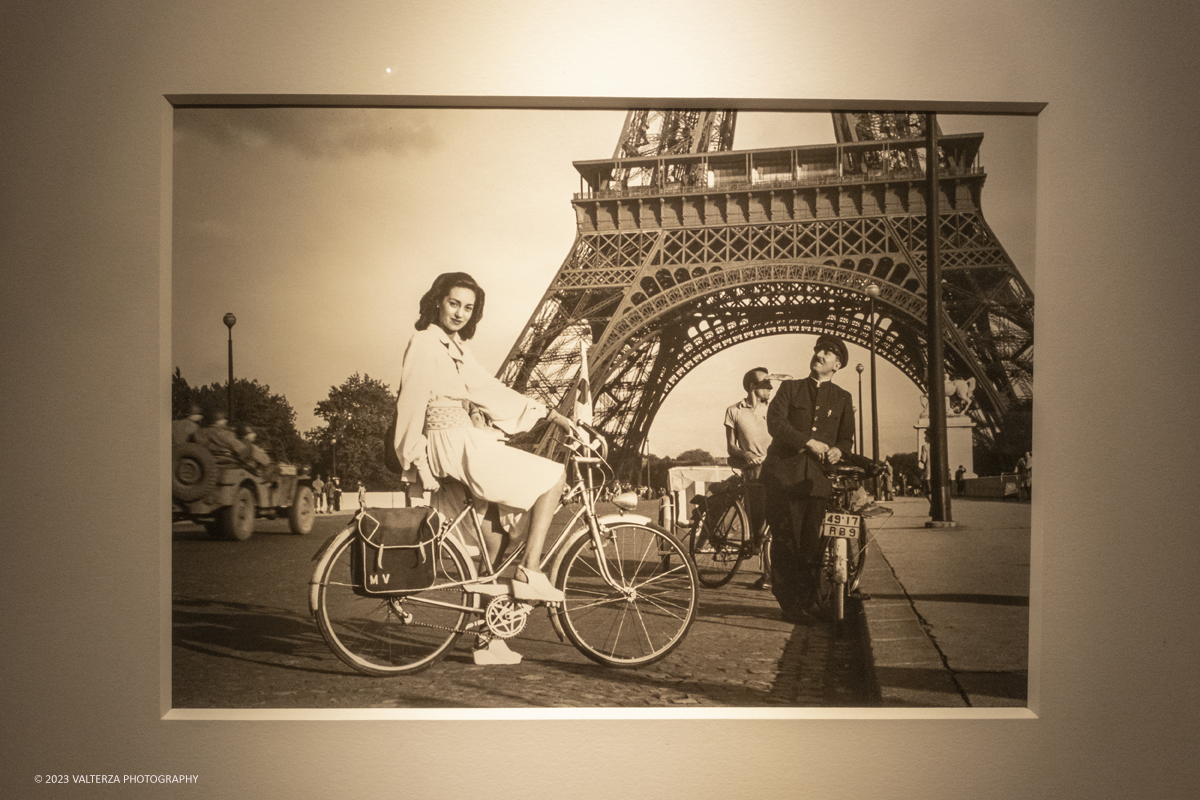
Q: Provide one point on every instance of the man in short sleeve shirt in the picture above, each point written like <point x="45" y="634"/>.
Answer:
<point x="811" y="422"/>
<point x="747" y="440"/>
<point x="746" y="434"/>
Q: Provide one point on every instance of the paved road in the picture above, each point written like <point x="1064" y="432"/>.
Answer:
<point x="243" y="638"/>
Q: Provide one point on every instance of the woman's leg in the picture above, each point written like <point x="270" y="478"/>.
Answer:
<point x="539" y="523"/>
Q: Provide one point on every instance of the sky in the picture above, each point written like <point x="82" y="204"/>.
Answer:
<point x="319" y="229"/>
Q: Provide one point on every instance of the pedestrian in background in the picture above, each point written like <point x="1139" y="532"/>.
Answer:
<point x="886" y="480"/>
<point x="1025" y="476"/>
<point x="923" y="463"/>
<point x="318" y="487"/>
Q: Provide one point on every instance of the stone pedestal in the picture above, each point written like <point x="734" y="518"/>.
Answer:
<point x="959" y="442"/>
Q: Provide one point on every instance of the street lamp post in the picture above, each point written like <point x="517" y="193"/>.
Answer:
<point x="334" y="458"/>
<point x="230" y="319"/>
<point x="939" y="472"/>
<point x="873" y="292"/>
<point x="859" y="369"/>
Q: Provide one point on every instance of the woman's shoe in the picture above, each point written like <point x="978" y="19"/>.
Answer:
<point x="495" y="652"/>
<point x="529" y="584"/>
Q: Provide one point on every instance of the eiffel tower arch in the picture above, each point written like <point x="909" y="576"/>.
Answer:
<point x="685" y="247"/>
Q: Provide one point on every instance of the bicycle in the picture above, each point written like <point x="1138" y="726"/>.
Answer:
<point x="843" y="542"/>
<point x="721" y="535"/>
<point x="630" y="587"/>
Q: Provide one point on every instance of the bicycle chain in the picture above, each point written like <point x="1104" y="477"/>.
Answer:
<point x="484" y="631"/>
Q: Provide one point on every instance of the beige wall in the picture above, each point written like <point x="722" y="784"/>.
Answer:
<point x="84" y="232"/>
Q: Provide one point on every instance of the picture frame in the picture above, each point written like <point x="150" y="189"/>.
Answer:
<point x="239" y="131"/>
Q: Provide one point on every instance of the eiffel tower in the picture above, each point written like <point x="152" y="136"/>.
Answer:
<point x="685" y="247"/>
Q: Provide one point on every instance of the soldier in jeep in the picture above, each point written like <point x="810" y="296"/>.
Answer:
<point x="222" y="442"/>
<point x="258" y="461"/>
<point x="182" y="430"/>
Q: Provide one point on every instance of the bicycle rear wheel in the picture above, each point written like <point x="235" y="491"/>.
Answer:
<point x="392" y="636"/>
<point x="764" y="551"/>
<point x="718" y="544"/>
<point x="647" y="614"/>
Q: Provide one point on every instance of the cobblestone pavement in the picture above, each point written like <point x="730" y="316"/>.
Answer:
<point x="243" y="638"/>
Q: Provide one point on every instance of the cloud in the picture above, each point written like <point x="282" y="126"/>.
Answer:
<point x="322" y="133"/>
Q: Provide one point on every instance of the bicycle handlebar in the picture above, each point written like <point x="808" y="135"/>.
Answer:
<point x="852" y="464"/>
<point x="599" y="438"/>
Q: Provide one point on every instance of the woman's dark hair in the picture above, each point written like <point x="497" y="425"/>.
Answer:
<point x="432" y="300"/>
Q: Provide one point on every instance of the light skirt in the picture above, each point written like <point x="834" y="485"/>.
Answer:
<point x="511" y="478"/>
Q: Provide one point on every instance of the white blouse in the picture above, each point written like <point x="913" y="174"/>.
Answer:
<point x="438" y="367"/>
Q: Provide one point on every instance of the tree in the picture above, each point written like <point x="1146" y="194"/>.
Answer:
<point x="660" y="467"/>
<point x="254" y="404"/>
<point x="906" y="464"/>
<point x="696" y="457"/>
<point x="357" y="413"/>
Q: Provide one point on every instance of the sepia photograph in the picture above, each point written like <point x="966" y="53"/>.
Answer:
<point x="572" y="408"/>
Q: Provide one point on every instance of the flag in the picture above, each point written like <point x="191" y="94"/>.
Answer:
<point x="583" y="389"/>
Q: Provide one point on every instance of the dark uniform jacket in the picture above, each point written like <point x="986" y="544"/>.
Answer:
<point x="222" y="443"/>
<point x="182" y="431"/>
<point x="801" y="411"/>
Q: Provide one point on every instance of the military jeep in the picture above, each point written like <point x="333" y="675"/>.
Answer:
<point x="227" y="497"/>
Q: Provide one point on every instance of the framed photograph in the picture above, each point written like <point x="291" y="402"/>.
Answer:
<point x="678" y="248"/>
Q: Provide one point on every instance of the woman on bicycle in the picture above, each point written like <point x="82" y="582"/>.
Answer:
<point x="435" y="436"/>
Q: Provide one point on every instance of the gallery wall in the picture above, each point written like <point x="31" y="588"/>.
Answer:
<point x="85" y="201"/>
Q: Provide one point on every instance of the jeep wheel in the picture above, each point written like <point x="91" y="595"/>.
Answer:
<point x="303" y="513"/>
<point x="237" y="520"/>
<point x="194" y="472"/>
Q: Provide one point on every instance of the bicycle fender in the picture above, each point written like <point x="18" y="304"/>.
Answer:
<point x="608" y="519"/>
<point x="582" y="530"/>
<point x="840" y="551"/>
<point x="617" y="519"/>
<point x="322" y="556"/>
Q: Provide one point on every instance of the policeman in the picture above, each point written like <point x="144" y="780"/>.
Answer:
<point x="811" y="422"/>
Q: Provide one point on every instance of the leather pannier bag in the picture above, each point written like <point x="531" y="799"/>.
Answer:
<point x="394" y="551"/>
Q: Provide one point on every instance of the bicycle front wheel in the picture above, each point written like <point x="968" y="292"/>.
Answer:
<point x="397" y="635"/>
<point x="647" y="614"/>
<point x="719" y="544"/>
<point x="831" y="589"/>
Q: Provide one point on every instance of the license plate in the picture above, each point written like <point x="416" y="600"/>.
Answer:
<point x="844" y="526"/>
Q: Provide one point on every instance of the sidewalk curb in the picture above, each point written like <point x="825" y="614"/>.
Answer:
<point x="906" y="667"/>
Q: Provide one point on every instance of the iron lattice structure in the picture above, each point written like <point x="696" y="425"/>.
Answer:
<point x="693" y="247"/>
